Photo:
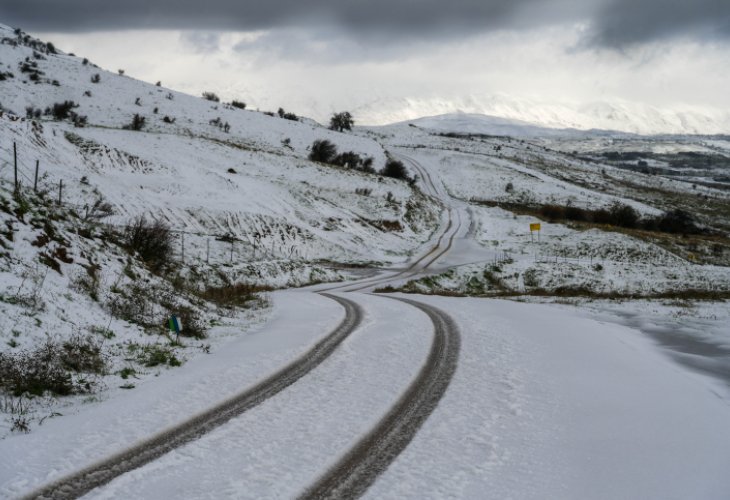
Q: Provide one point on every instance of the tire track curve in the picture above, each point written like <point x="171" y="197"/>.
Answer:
<point x="81" y="482"/>
<point x="351" y="476"/>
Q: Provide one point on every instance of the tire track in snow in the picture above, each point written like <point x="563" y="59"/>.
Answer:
<point x="351" y="476"/>
<point x="436" y="252"/>
<point x="81" y="482"/>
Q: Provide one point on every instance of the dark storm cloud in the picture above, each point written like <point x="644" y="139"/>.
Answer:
<point x="612" y="23"/>
<point x="409" y="16"/>
<point x="622" y="23"/>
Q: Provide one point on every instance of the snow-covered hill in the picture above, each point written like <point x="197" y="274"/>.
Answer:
<point x="202" y="165"/>
<point x="620" y="116"/>
<point x="246" y="207"/>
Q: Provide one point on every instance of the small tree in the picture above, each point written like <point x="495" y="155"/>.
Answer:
<point x="342" y="121"/>
<point x="323" y="151"/>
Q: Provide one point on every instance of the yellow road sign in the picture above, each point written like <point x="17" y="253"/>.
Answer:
<point x="535" y="227"/>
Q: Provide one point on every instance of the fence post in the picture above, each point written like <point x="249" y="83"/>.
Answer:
<point x="35" y="178"/>
<point x="15" y="165"/>
<point x="60" y="191"/>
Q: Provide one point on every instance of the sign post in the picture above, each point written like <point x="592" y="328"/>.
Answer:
<point x="175" y="326"/>
<point x="535" y="227"/>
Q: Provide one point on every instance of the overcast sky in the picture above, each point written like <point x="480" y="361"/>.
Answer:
<point x="322" y="55"/>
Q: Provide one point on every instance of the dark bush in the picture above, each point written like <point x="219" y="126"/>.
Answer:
<point x="138" y="123"/>
<point x="396" y="170"/>
<point x="62" y="110"/>
<point x="323" y="151"/>
<point x="95" y="78"/>
<point x="601" y="216"/>
<point x="238" y="104"/>
<point x="577" y="214"/>
<point x="287" y="116"/>
<point x="552" y="212"/>
<point x="677" y="221"/>
<point x="623" y="215"/>
<point x="349" y="159"/>
<point x="152" y="241"/>
<point x="211" y="96"/>
<point x="367" y="165"/>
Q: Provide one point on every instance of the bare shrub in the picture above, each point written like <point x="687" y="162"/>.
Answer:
<point x="233" y="295"/>
<point x="49" y="368"/>
<point x="211" y="96"/>
<point x="151" y="241"/>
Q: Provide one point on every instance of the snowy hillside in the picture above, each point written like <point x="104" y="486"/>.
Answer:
<point x="619" y="115"/>
<point x="246" y="211"/>
<point x="184" y="166"/>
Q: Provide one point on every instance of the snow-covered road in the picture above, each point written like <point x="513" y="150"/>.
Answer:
<point x="543" y="403"/>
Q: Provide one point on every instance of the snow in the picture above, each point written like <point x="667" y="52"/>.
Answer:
<point x="531" y="413"/>
<point x="534" y="412"/>
<point x="93" y="431"/>
<point x="584" y="399"/>
<point x="279" y="447"/>
<point x="501" y="109"/>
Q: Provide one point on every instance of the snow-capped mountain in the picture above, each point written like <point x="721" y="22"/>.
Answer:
<point x="620" y="116"/>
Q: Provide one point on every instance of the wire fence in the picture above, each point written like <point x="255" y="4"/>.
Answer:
<point x="21" y="175"/>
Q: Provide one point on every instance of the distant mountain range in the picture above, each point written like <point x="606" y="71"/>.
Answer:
<point x="618" y="116"/>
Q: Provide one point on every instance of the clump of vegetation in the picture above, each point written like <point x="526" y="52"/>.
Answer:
<point x="396" y="170"/>
<point x="137" y="123"/>
<point x="62" y="110"/>
<point x="154" y="355"/>
<point x="621" y="215"/>
<point x="322" y="151"/>
<point x="211" y="96"/>
<point x="95" y="78"/>
<point x="151" y="241"/>
<point x="238" y="104"/>
<point x="54" y="367"/>
<point x="287" y="116"/>
<point x="217" y="122"/>
<point x="234" y="295"/>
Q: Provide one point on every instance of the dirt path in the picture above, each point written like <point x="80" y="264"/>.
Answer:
<point x="364" y="462"/>
<point x="79" y="483"/>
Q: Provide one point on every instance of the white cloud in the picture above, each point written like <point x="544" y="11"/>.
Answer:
<point x="317" y="74"/>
